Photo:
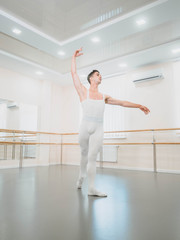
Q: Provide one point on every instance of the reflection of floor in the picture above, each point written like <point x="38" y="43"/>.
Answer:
<point x="43" y="203"/>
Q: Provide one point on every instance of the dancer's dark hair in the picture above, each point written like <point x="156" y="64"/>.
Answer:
<point x="90" y="75"/>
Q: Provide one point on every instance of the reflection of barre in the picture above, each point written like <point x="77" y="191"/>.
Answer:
<point x="29" y="143"/>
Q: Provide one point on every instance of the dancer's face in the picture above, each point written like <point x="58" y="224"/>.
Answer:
<point x="97" y="77"/>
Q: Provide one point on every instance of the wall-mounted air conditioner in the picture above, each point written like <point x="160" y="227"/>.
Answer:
<point x="12" y="105"/>
<point x="154" y="74"/>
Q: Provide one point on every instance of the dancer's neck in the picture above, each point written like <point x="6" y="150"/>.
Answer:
<point x="93" y="88"/>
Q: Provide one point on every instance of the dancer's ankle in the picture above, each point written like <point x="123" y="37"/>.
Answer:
<point x="80" y="182"/>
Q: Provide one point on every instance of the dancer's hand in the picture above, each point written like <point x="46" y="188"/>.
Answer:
<point x="78" y="52"/>
<point x="144" y="109"/>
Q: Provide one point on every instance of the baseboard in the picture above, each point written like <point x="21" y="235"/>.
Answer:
<point x="8" y="167"/>
<point x="168" y="171"/>
<point x="130" y="168"/>
<point x="24" y="166"/>
<point x="71" y="164"/>
<point x="52" y="164"/>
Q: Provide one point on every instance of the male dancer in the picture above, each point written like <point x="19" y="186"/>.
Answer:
<point x="91" y="129"/>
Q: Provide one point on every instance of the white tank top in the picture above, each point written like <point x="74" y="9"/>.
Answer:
<point x="93" y="110"/>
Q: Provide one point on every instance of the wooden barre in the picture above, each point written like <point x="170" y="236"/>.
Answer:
<point x="49" y="133"/>
<point x="156" y="143"/>
<point x="159" y="143"/>
<point x="115" y="144"/>
<point x="141" y="130"/>
<point x="145" y="143"/>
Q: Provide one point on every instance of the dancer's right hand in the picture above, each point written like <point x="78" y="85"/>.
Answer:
<point x="78" y="52"/>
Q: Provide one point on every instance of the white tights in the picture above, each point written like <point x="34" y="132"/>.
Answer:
<point x="90" y="140"/>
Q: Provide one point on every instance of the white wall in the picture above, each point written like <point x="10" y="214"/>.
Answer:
<point x="32" y="93"/>
<point x="19" y="88"/>
<point x="160" y="96"/>
<point x="71" y="109"/>
<point x="176" y="78"/>
<point x="59" y="106"/>
<point x="163" y="99"/>
<point x="59" y="109"/>
<point x="3" y="115"/>
<point x="46" y="95"/>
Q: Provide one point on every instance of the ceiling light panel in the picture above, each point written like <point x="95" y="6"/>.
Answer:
<point x="95" y="39"/>
<point x="16" y="31"/>
<point x="141" y="22"/>
<point x="177" y="50"/>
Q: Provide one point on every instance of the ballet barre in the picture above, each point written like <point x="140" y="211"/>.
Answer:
<point x="132" y="143"/>
<point x="23" y="135"/>
<point x="62" y="133"/>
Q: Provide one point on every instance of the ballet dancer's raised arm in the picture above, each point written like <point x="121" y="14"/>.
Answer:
<point x="77" y="83"/>
<point x="113" y="101"/>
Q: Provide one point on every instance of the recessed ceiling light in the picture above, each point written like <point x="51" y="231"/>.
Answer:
<point x="122" y="65"/>
<point x="16" y="31"/>
<point x="140" y="22"/>
<point x="39" y="73"/>
<point x="61" y="53"/>
<point x="95" y="39"/>
<point x="177" y="50"/>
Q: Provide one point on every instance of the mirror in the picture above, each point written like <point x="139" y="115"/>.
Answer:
<point x="18" y="116"/>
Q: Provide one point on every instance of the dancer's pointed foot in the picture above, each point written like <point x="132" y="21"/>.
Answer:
<point x="79" y="183"/>
<point x="95" y="193"/>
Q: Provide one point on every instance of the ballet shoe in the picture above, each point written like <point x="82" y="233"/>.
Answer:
<point x="79" y="183"/>
<point x="95" y="193"/>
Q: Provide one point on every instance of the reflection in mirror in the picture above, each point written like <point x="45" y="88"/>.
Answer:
<point x="18" y="116"/>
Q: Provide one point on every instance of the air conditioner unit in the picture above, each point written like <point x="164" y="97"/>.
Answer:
<point x="148" y="76"/>
<point x="12" y="105"/>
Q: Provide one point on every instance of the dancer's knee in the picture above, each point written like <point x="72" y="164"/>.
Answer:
<point x="84" y="151"/>
<point x="92" y="154"/>
<point x="92" y="157"/>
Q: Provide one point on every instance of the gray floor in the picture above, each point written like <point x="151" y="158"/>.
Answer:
<point x="43" y="203"/>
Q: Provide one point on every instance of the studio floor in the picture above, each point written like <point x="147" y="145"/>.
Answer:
<point x="42" y="203"/>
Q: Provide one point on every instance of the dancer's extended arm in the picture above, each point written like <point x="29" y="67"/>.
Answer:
<point x="113" y="101"/>
<point x="77" y="83"/>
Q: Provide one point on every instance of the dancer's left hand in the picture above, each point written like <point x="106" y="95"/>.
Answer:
<point x="144" y="109"/>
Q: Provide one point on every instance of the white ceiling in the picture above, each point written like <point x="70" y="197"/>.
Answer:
<point x="55" y="25"/>
<point x="64" y="19"/>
